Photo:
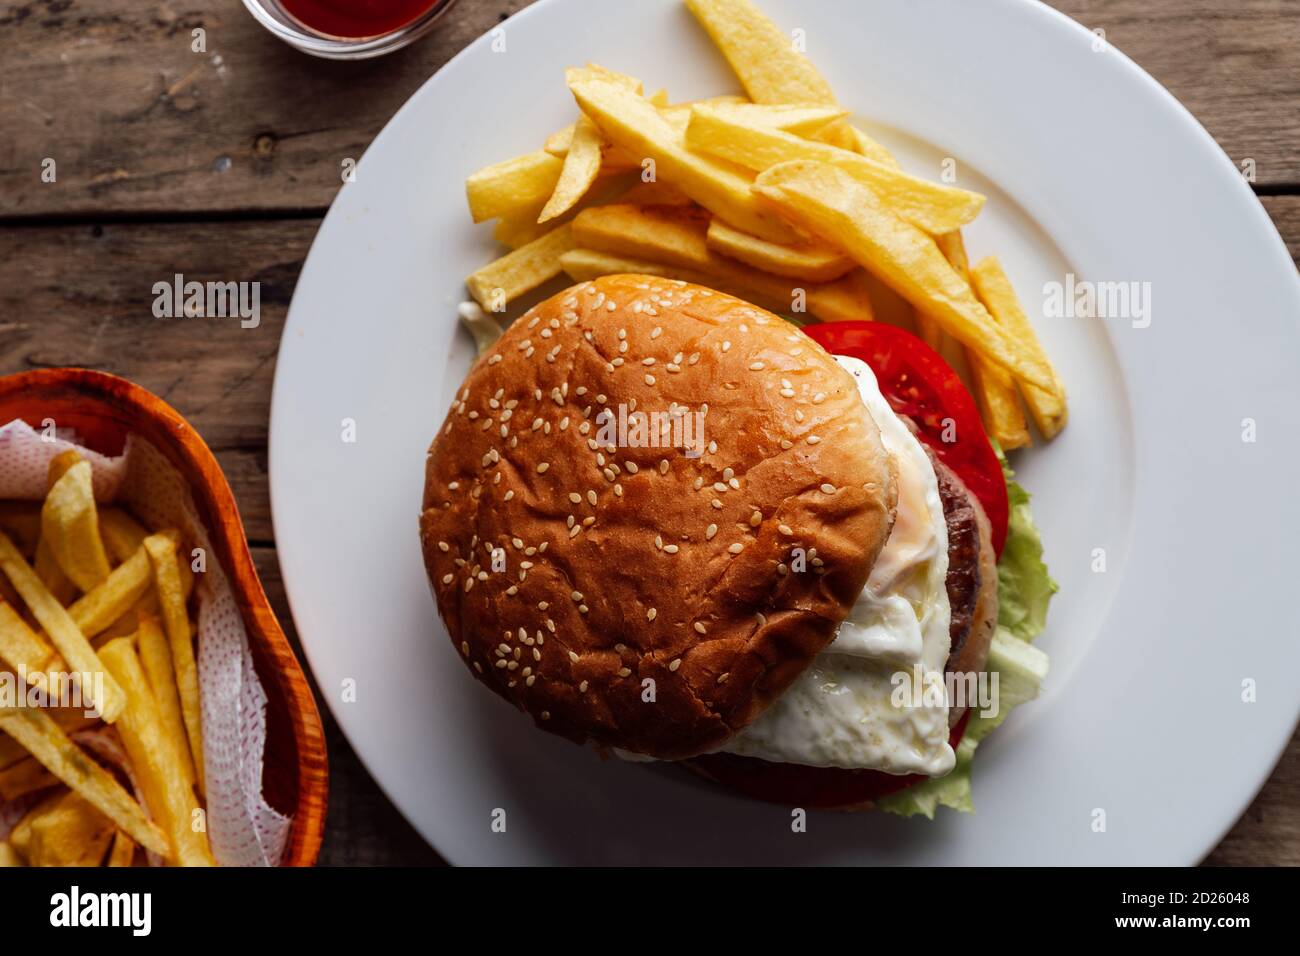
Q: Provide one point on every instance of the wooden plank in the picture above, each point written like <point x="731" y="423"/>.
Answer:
<point x="138" y="122"/>
<point x="83" y="295"/>
<point x="1285" y="213"/>
<point x="1234" y="65"/>
<point x="1268" y="833"/>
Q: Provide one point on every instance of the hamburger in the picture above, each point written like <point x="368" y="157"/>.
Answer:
<point x="670" y="524"/>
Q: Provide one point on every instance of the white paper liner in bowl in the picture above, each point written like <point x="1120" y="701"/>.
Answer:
<point x="242" y="828"/>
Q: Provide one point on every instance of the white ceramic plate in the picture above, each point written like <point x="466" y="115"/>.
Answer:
<point x="1090" y="168"/>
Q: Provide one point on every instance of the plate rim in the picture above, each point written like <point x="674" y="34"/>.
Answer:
<point x="1262" y="223"/>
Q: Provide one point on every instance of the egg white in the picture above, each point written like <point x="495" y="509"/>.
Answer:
<point x="842" y="710"/>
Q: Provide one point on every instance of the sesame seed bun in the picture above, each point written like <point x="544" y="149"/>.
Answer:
<point x="641" y="597"/>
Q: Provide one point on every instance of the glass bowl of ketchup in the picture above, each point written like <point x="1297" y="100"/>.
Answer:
<point x="348" y="29"/>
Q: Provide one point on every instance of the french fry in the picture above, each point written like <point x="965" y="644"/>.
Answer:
<point x="156" y="657"/>
<point x="933" y="207"/>
<point x="1046" y="405"/>
<point x="994" y="389"/>
<point x="123" y="852"/>
<point x="860" y="142"/>
<point x="162" y="552"/>
<point x="65" y="830"/>
<point x="167" y="789"/>
<point x="61" y="628"/>
<point x="521" y="228"/>
<point x="71" y="719"/>
<point x="23" y="650"/>
<point x="765" y="60"/>
<point x="995" y="393"/>
<point x="122" y="534"/>
<point x="24" y="777"/>
<point x="843" y="300"/>
<point x="51" y="575"/>
<point x="793" y="118"/>
<point x="59" y="465"/>
<point x="9" y="856"/>
<point x="633" y="123"/>
<point x="761" y="53"/>
<point x="809" y="261"/>
<point x="98" y="609"/>
<point x="21" y="520"/>
<point x="43" y="739"/>
<point x="673" y="235"/>
<point x="831" y="204"/>
<point x="70" y="527"/>
<point x="581" y="166"/>
<point x="519" y="272"/>
<point x="507" y="187"/>
<point x="655" y="194"/>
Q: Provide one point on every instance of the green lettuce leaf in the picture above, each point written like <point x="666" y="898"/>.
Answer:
<point x="1024" y="590"/>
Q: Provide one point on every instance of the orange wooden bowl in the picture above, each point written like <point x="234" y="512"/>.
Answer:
<point x="104" y="409"/>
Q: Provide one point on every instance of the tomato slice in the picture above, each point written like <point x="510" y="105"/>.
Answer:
<point x="918" y="383"/>
<point x="811" y="787"/>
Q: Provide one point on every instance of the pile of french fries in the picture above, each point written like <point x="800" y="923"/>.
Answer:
<point x="94" y="610"/>
<point x="775" y="197"/>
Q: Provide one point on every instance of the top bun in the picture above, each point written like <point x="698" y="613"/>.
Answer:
<point x="651" y="598"/>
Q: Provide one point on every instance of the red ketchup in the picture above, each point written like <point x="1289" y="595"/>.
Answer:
<point x="355" y="19"/>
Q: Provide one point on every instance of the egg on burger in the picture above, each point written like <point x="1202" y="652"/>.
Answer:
<point x="666" y="522"/>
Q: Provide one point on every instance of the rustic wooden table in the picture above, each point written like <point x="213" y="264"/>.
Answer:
<point x="220" y="164"/>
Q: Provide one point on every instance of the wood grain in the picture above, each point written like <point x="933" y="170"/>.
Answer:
<point x="137" y="122"/>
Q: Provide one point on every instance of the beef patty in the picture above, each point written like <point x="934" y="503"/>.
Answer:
<point x="972" y="572"/>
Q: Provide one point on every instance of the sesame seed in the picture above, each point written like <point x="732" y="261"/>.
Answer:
<point x="510" y="494"/>
<point x="722" y="678"/>
<point x="700" y="628"/>
<point x="582" y="688"/>
<point x="674" y="664"/>
<point x="813" y="439"/>
<point x="663" y="466"/>
<point x="828" y="489"/>
<point x="632" y="467"/>
<point x="786" y="444"/>
<point x="573" y="656"/>
<point x="624" y="672"/>
<point x="447" y="578"/>
<point x="659" y="542"/>
<point x="782" y="569"/>
<point x="443" y="546"/>
<point x="785" y="529"/>
<point x="591" y="497"/>
<point x="710" y="532"/>
<point x="546" y="714"/>
<point x="575" y="497"/>
<point x="541" y="468"/>
<point x="649" y="379"/>
<point x="736" y="548"/>
<point x="651" y="614"/>
<point x="699" y="483"/>
<point x="756" y="519"/>
<point x="719" y="487"/>
<point x="502" y="663"/>
<point x="671" y="548"/>
<point x="717" y="504"/>
<point x="819" y="398"/>
<point x="656" y="331"/>
<point x="756" y="366"/>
